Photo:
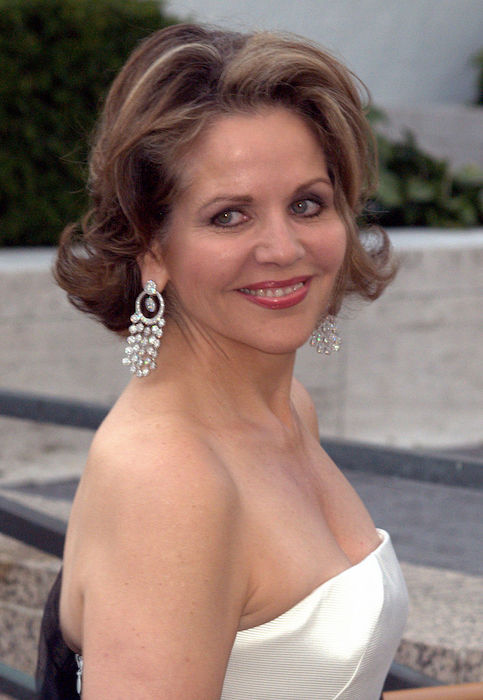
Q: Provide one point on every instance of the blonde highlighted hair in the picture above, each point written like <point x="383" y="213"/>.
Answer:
<point x="174" y="85"/>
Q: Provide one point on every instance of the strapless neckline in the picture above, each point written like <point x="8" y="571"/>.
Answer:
<point x="337" y="643"/>
<point x="307" y="600"/>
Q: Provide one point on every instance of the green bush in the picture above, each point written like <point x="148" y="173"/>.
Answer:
<point x="416" y="189"/>
<point x="57" y="58"/>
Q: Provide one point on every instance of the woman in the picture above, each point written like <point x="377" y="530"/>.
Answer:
<point x="214" y="550"/>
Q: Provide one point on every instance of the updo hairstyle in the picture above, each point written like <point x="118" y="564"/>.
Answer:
<point x="175" y="84"/>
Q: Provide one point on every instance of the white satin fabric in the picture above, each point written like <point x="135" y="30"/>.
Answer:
<point x="337" y="643"/>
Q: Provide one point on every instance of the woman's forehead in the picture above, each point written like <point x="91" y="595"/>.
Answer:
<point x="245" y="148"/>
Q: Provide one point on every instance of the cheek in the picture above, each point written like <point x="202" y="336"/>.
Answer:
<point x="198" y="270"/>
<point x="331" y="248"/>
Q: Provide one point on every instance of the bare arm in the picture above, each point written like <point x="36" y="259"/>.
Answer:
<point x="161" y="576"/>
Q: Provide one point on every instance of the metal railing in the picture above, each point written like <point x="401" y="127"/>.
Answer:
<point x="47" y="533"/>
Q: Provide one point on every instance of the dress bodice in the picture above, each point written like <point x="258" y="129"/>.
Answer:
<point x="338" y="642"/>
<point x="335" y="644"/>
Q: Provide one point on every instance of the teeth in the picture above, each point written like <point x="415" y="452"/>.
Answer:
<point x="272" y="291"/>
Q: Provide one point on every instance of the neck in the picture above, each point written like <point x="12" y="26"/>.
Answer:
<point x="228" y="380"/>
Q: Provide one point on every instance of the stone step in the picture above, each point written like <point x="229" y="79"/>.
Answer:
<point x="444" y="634"/>
<point x="443" y="638"/>
<point x="429" y="524"/>
<point x="26" y="576"/>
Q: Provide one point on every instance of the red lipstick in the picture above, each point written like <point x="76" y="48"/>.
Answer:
<point x="277" y="294"/>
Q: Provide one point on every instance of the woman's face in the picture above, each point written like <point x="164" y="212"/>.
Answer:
<point x="254" y="241"/>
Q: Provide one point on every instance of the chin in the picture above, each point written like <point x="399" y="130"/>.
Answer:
<point x="282" y="346"/>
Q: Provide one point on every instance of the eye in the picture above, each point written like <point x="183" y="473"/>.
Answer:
<point x="227" y="218"/>
<point x="306" y="207"/>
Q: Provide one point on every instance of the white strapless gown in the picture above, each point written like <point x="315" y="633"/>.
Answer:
<point x="337" y="643"/>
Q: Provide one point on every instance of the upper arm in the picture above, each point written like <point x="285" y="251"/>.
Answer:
<point x="305" y="407"/>
<point x="162" y="590"/>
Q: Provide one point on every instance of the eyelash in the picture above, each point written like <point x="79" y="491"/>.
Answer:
<point x="215" y="220"/>
<point x="314" y="200"/>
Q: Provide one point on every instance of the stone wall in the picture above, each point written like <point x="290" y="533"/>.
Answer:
<point x="408" y="373"/>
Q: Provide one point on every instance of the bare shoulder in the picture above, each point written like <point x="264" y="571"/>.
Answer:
<point x="305" y="407"/>
<point x="161" y="475"/>
<point x="157" y="549"/>
<point x="163" y="452"/>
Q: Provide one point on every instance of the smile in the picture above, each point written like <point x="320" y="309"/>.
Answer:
<point x="277" y="295"/>
<point x="270" y="292"/>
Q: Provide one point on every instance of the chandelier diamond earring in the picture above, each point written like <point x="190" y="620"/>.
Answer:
<point x="325" y="337"/>
<point x="145" y="331"/>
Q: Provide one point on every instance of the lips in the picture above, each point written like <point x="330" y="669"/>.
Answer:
<point x="277" y="294"/>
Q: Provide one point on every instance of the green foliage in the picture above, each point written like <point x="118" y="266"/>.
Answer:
<point x="478" y="61"/>
<point x="57" y="59"/>
<point x="416" y="189"/>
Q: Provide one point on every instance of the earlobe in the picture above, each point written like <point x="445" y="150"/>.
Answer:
<point x="152" y="267"/>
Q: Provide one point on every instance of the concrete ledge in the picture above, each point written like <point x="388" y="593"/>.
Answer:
<point x="409" y="370"/>
<point x="25" y="579"/>
<point x="434" y="528"/>
<point x="439" y="640"/>
<point x="426" y="467"/>
<point x="443" y="638"/>
<point x="408" y="373"/>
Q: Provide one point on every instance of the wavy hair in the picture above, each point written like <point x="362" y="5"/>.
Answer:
<point x="175" y="84"/>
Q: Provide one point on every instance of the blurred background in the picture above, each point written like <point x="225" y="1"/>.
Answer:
<point x="409" y="373"/>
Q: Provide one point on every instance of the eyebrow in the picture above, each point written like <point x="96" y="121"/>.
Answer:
<point x="248" y="199"/>
<point x="315" y="181"/>
<point x="232" y="198"/>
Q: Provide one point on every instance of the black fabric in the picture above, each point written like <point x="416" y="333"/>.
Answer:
<point x="56" y="672"/>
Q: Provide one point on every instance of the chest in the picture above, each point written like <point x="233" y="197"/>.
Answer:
<point x="303" y="524"/>
<point x="336" y="642"/>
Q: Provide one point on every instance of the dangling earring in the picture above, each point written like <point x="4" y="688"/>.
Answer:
<point x="325" y="337"/>
<point x="143" y="342"/>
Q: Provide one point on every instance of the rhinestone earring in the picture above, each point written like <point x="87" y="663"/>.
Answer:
<point x="325" y="337"/>
<point x="145" y="331"/>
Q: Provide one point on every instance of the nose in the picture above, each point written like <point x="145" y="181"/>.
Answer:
<point x="279" y="243"/>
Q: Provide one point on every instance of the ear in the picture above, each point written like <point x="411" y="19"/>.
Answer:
<point x="152" y="267"/>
